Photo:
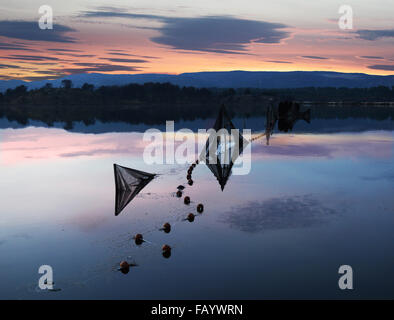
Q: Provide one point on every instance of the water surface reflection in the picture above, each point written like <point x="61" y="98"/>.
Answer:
<point x="310" y="203"/>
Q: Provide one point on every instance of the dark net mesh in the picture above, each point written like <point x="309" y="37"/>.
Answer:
<point x="218" y="156"/>
<point x="128" y="183"/>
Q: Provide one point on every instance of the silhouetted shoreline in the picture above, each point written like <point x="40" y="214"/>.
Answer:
<point x="153" y="103"/>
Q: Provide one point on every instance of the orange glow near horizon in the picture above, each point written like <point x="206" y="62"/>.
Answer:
<point x="113" y="48"/>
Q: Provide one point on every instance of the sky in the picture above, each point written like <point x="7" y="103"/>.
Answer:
<point x="172" y="36"/>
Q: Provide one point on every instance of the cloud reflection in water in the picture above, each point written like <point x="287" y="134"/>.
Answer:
<point x="279" y="213"/>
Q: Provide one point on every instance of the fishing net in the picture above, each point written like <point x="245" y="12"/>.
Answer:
<point x="128" y="183"/>
<point x="223" y="147"/>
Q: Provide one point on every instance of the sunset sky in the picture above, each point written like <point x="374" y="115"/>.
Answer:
<point x="170" y="36"/>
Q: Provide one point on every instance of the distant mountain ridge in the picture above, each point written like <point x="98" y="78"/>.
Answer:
<point x="222" y="79"/>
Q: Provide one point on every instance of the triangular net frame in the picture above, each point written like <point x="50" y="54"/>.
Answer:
<point x="128" y="183"/>
<point x="222" y="171"/>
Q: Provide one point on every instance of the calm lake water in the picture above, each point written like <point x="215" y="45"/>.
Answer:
<point x="314" y="200"/>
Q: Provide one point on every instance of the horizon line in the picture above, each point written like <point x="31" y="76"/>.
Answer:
<point x="205" y="71"/>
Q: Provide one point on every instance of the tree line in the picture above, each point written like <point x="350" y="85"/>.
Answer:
<point x="153" y="103"/>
